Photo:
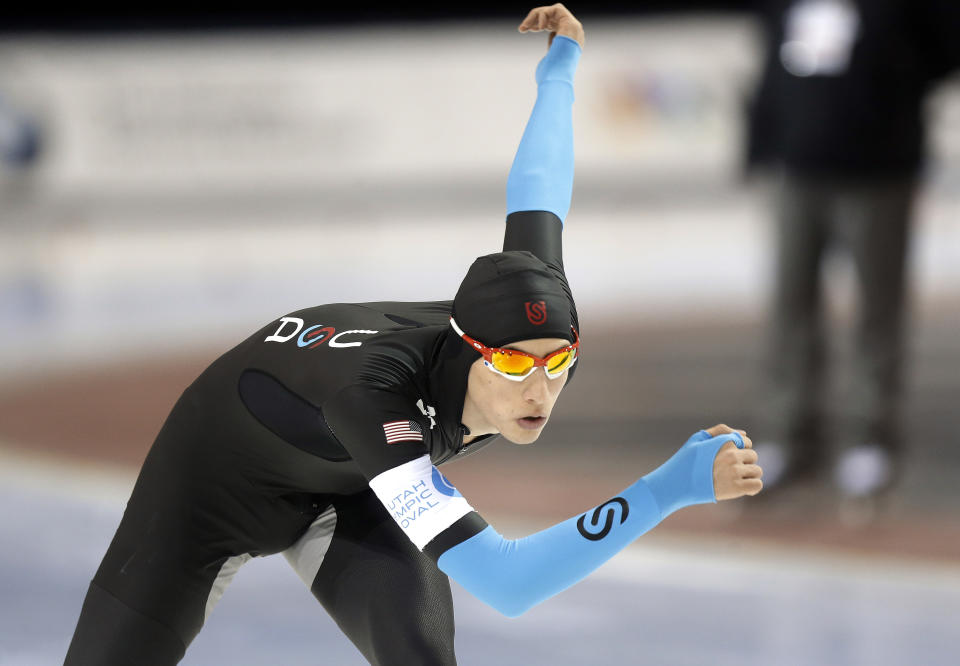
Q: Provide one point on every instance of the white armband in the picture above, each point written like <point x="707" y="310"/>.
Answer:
<point x="420" y="499"/>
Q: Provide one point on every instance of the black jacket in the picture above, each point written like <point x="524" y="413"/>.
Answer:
<point x="867" y="119"/>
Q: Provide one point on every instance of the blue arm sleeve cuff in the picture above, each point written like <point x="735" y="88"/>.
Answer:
<point x="687" y="478"/>
<point x="541" y="177"/>
<point x="514" y="575"/>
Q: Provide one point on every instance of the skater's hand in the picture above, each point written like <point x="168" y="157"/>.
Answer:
<point x="735" y="471"/>
<point x="714" y="464"/>
<point x="555" y="18"/>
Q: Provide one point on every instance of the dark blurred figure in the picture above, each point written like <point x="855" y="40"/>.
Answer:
<point x="19" y="137"/>
<point x="838" y="118"/>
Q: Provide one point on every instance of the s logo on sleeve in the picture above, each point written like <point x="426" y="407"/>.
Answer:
<point x="593" y="530"/>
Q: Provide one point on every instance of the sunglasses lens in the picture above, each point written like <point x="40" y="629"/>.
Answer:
<point x="560" y="362"/>
<point x="512" y="364"/>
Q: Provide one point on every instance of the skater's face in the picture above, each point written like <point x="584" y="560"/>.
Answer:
<point x="516" y="409"/>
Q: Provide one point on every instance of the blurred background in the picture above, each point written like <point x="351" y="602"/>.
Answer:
<point x="171" y="182"/>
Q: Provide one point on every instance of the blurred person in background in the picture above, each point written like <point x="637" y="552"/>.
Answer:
<point x="838" y="115"/>
<point x="20" y="137"/>
<point x="320" y="436"/>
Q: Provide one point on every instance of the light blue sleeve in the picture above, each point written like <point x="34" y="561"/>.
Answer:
<point x="541" y="177"/>
<point x="512" y="575"/>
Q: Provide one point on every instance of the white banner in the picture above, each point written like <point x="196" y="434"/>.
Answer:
<point x="328" y="108"/>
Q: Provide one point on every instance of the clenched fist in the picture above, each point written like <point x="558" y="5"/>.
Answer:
<point x="555" y="18"/>
<point x="735" y="471"/>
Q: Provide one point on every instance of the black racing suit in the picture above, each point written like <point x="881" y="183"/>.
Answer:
<point x="272" y="449"/>
<point x="246" y="463"/>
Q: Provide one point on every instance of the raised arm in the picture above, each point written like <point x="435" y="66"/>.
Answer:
<point x="540" y="183"/>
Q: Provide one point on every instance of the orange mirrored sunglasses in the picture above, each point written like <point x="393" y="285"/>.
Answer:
<point x="517" y="365"/>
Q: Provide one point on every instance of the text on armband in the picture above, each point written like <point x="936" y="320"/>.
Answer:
<point x="413" y="502"/>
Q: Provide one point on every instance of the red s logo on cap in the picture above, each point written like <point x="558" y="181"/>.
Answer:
<point x="536" y="312"/>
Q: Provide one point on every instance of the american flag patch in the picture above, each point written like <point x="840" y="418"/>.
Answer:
<point x="403" y="431"/>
